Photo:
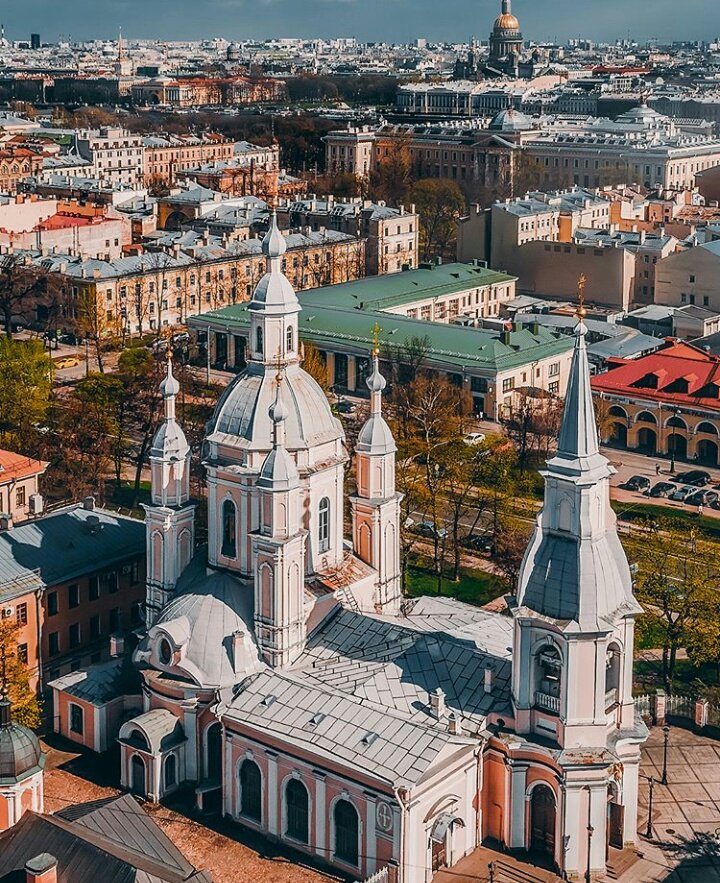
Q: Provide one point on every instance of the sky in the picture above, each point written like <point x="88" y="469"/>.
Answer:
<point x="389" y="20"/>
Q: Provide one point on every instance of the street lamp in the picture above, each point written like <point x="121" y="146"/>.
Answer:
<point x="676" y="413"/>
<point x="666" y="736"/>
<point x="590" y="832"/>
<point x="649" y="832"/>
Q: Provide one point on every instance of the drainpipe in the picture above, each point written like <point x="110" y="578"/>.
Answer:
<point x="403" y="799"/>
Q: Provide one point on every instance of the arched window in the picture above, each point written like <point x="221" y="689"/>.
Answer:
<point x="676" y="423"/>
<point x="706" y="427"/>
<point x="290" y="339"/>
<point x="616" y="411"/>
<point x="324" y="525"/>
<point x="612" y="676"/>
<point x="548" y="671"/>
<point x="213" y="748"/>
<point x="170" y="771"/>
<point x="296" y="804"/>
<point x="259" y="345"/>
<point x="250" y="791"/>
<point x="346" y="832"/>
<point x="645" y="417"/>
<point x="229" y="521"/>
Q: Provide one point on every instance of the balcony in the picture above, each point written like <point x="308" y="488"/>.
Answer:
<point x="547" y="702"/>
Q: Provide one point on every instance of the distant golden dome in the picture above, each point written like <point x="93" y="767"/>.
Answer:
<point x="507" y="22"/>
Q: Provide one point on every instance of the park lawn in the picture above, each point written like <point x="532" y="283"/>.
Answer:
<point x="640" y="511"/>
<point x="474" y="586"/>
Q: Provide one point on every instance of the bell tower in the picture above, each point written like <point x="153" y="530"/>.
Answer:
<point x="170" y="517"/>
<point x="376" y="506"/>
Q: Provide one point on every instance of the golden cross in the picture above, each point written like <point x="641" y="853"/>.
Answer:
<point x="581" y="311"/>
<point x="376" y="339"/>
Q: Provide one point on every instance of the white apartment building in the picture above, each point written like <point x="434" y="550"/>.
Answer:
<point x="117" y="156"/>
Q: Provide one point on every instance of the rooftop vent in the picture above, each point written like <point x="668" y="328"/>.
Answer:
<point x="368" y="739"/>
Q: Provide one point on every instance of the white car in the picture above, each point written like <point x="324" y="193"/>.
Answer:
<point x="474" y="438"/>
<point x="682" y="492"/>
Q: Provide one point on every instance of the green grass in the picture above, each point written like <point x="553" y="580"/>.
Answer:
<point x="641" y="511"/>
<point x="474" y="586"/>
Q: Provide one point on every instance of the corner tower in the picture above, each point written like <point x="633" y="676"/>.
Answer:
<point x="376" y="506"/>
<point x="170" y="517"/>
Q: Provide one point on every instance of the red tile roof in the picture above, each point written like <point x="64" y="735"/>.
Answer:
<point x="679" y="374"/>
<point x="15" y="466"/>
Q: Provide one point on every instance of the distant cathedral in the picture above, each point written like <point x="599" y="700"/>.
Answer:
<point x="506" y="51"/>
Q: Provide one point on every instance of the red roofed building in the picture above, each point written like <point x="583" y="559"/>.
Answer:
<point x="664" y="403"/>
<point x="19" y="477"/>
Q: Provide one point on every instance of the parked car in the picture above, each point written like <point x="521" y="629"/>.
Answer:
<point x="702" y="498"/>
<point x="429" y="529"/>
<point x="70" y="361"/>
<point x="682" y="492"/>
<point x="344" y="406"/>
<point x="638" y="483"/>
<point x="662" y="489"/>
<point x="474" y="438"/>
<point x="695" y="477"/>
<point x="480" y="542"/>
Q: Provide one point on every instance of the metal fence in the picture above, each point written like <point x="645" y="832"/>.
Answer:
<point x="644" y="705"/>
<point x="680" y="707"/>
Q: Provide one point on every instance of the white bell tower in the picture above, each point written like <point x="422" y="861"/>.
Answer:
<point x="376" y="506"/>
<point x="279" y="551"/>
<point x="170" y="517"/>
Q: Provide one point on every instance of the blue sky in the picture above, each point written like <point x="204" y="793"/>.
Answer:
<point x="366" y="19"/>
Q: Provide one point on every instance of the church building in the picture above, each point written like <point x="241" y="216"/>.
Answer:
<point x="290" y="686"/>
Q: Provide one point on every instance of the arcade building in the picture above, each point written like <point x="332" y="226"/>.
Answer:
<point x="289" y="685"/>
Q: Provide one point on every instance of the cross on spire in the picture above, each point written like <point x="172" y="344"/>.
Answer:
<point x="581" y="311"/>
<point x="376" y="340"/>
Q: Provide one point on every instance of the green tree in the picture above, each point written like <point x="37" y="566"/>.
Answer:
<point x="25" y="387"/>
<point x="677" y="583"/>
<point x="315" y="365"/>
<point x="14" y="677"/>
<point x="439" y="205"/>
<point x="392" y="179"/>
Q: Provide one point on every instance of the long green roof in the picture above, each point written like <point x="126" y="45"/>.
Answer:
<point x="341" y="318"/>
<point x="396" y="289"/>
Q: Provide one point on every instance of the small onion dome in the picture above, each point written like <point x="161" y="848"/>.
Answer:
<point x="170" y="386"/>
<point x="376" y="382"/>
<point x="274" y="245"/>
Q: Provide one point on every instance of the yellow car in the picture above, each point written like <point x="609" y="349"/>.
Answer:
<point x="66" y="362"/>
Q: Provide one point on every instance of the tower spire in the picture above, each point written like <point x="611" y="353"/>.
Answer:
<point x="578" y="433"/>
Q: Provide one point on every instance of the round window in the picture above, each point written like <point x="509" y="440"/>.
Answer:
<point x="165" y="652"/>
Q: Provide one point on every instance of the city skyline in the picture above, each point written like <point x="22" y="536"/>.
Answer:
<point x="378" y="20"/>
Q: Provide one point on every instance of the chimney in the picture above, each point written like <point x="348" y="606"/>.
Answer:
<point x="437" y="703"/>
<point x="438" y="262"/>
<point x="117" y="646"/>
<point x="454" y="725"/>
<point x="238" y="643"/>
<point x="6" y="521"/>
<point x="89" y="504"/>
<point x="41" y="869"/>
<point x="488" y="678"/>
<point x="402" y="210"/>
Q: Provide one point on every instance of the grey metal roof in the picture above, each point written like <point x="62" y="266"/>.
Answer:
<point x="115" y="841"/>
<point x="20" y="754"/>
<point x="66" y="544"/>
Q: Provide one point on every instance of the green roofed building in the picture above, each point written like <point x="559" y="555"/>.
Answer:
<point x="442" y="304"/>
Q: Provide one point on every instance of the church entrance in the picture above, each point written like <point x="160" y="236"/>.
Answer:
<point x="542" y="821"/>
<point x="615" y="821"/>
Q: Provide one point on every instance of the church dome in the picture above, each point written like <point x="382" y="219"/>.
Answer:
<point x="511" y="121"/>
<point x="242" y="416"/>
<point x="20" y="753"/>
<point x="205" y="633"/>
<point x="506" y="22"/>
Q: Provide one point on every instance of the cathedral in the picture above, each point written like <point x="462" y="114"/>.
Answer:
<point x="287" y="684"/>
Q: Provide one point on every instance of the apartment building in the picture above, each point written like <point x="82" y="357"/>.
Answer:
<point x="390" y="234"/>
<point x="80" y="578"/>
<point x="165" y="153"/>
<point x="16" y="165"/>
<point x="117" y="156"/>
<point x="19" y="490"/>
<point x="146" y="292"/>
